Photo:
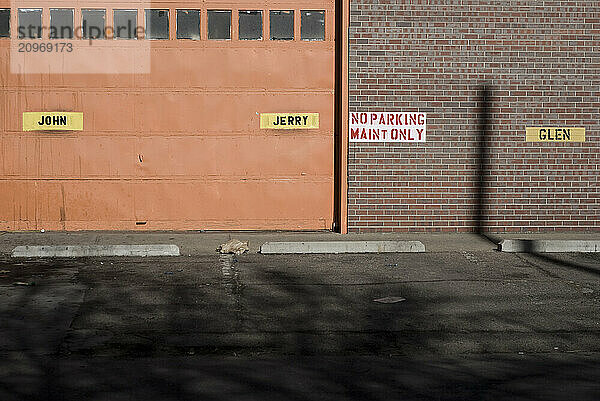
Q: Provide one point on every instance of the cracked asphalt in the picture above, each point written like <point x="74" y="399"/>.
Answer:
<point x="473" y="325"/>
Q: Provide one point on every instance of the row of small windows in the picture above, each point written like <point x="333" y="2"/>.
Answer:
<point x="250" y="23"/>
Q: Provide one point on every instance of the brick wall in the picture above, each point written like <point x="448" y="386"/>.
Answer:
<point x="542" y="59"/>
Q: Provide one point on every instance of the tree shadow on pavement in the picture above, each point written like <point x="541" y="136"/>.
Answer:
<point x="251" y="328"/>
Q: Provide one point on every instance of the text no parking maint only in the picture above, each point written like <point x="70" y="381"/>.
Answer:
<point x="387" y="127"/>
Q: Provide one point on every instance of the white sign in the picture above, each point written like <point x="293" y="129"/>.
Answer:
<point x="387" y="127"/>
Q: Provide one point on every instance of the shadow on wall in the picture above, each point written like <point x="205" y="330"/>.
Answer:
<point x="485" y="106"/>
<point x="483" y="174"/>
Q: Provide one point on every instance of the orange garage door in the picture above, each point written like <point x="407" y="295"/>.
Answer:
<point x="179" y="147"/>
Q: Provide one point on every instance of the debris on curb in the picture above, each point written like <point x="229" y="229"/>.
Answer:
<point x="234" y="246"/>
<point x="389" y="300"/>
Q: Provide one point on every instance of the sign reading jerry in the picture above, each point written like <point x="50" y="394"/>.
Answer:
<point x="289" y="120"/>
<point x="555" y="134"/>
<point x="52" y="121"/>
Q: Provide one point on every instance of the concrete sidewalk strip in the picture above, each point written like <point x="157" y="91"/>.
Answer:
<point x="76" y="251"/>
<point x="342" y="247"/>
<point x="549" y="246"/>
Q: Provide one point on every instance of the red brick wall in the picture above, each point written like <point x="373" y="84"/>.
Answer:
<point x="542" y="58"/>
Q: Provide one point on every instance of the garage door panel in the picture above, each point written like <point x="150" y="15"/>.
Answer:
<point x="24" y="81"/>
<point x="50" y="202"/>
<point x="13" y="79"/>
<point x="66" y="200"/>
<point x="289" y="68"/>
<point x="225" y="223"/>
<point x="119" y="58"/>
<point x="61" y="155"/>
<point x="252" y="156"/>
<point x="105" y="57"/>
<point x="86" y="157"/>
<point x="19" y="101"/>
<point x="233" y="200"/>
<point x="60" y="101"/>
<point x="17" y="204"/>
<point x="250" y="68"/>
<point x="217" y="113"/>
<point x="20" y="155"/>
<point x="4" y="67"/>
<point x="31" y="205"/>
<point x="91" y="81"/>
<point x="109" y="111"/>
<point x="3" y="111"/>
<point x="250" y="204"/>
<point x="99" y="200"/>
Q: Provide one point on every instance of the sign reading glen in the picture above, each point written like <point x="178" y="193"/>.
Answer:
<point x="52" y="121"/>
<point x="554" y="134"/>
<point x="387" y="127"/>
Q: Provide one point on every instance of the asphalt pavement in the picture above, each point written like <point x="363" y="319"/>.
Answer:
<point x="445" y="325"/>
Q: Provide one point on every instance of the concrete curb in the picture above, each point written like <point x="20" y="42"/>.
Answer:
<point x="77" y="251"/>
<point x="342" y="247"/>
<point x="549" y="246"/>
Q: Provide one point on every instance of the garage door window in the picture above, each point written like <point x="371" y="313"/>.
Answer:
<point x="281" y="24"/>
<point x="93" y="23"/>
<point x="219" y="24"/>
<point x="312" y="25"/>
<point x="125" y="24"/>
<point x="61" y="23"/>
<point x="251" y="25"/>
<point x="4" y="23"/>
<point x="30" y="23"/>
<point x="157" y="24"/>
<point x="188" y="24"/>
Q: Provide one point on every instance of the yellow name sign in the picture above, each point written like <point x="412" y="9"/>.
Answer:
<point x="52" y="121"/>
<point x="554" y="134"/>
<point x="289" y="120"/>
